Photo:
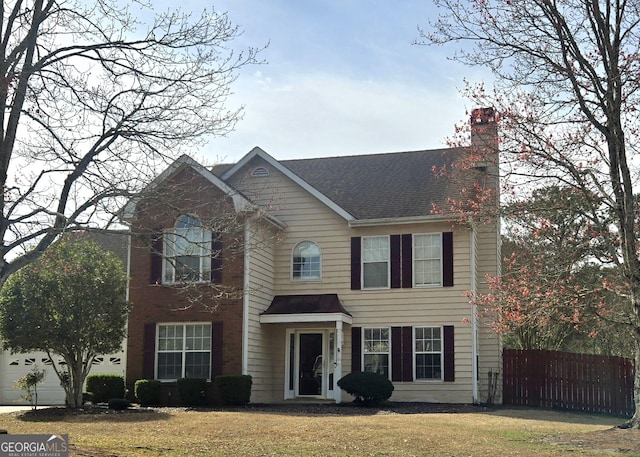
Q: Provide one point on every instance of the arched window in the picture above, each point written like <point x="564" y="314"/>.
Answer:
<point x="187" y="252"/>
<point x="306" y="263"/>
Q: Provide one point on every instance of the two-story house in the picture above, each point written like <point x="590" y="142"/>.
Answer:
<point x="297" y="272"/>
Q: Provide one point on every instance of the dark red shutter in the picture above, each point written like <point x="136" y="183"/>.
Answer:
<point x="217" y="345"/>
<point x="149" y="351"/>
<point x="396" y="354"/>
<point x="407" y="260"/>
<point x="156" y="258"/>
<point x="216" y="257"/>
<point x="394" y="241"/>
<point x="449" y="354"/>
<point x="402" y="354"/>
<point x="407" y="354"/>
<point x="447" y="259"/>
<point x="356" y="243"/>
<point x="356" y="349"/>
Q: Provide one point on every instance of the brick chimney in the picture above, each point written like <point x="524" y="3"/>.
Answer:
<point x="484" y="128"/>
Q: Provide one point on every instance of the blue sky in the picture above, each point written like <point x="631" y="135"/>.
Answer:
<point x="342" y="77"/>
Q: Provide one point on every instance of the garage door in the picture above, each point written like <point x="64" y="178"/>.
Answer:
<point x="14" y="366"/>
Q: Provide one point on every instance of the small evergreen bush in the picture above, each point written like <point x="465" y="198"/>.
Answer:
<point x="234" y="389"/>
<point x="105" y="386"/>
<point x="147" y="391"/>
<point x="119" y="404"/>
<point x="368" y="388"/>
<point x="192" y="391"/>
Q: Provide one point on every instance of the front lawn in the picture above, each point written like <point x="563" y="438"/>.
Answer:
<point x="331" y="431"/>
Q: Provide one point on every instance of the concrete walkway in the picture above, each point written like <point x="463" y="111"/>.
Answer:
<point x="5" y="409"/>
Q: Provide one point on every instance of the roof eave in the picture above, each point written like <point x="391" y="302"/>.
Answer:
<point x="398" y="220"/>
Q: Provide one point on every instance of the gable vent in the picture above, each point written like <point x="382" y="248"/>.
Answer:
<point x="260" y="172"/>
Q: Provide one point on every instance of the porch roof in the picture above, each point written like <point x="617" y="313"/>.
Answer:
<point x="305" y="308"/>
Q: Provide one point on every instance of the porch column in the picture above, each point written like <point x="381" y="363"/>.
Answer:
<point x="337" y="371"/>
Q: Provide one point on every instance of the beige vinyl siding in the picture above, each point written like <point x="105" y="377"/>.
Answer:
<point x="261" y="358"/>
<point x="307" y="218"/>
<point x="489" y="344"/>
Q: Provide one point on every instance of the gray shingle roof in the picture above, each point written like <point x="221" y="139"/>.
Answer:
<point x="379" y="186"/>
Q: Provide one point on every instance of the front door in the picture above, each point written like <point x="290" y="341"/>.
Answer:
<point x="310" y="366"/>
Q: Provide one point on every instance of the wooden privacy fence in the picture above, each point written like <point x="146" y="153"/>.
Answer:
<point x="551" y="379"/>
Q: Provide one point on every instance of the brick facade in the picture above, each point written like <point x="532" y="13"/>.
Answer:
<point x="186" y="192"/>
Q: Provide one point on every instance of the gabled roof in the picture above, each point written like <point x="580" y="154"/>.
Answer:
<point x="240" y="203"/>
<point x="360" y="188"/>
<point x="288" y="173"/>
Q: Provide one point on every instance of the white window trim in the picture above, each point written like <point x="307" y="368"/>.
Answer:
<point x="415" y="365"/>
<point x="362" y="262"/>
<point x="414" y="260"/>
<point x="298" y="280"/>
<point x="362" y="351"/>
<point x="183" y="350"/>
<point x="206" y="240"/>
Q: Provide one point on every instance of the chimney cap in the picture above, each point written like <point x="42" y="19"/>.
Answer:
<point x="483" y="116"/>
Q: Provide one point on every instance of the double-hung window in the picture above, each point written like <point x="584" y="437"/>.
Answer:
<point x="375" y="262"/>
<point x="427" y="259"/>
<point x="184" y="351"/>
<point x="428" y="353"/>
<point x="376" y="350"/>
<point x="187" y="252"/>
<point x="305" y="261"/>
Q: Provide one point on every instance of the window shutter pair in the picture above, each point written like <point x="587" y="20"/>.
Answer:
<point x="402" y="353"/>
<point x="401" y="257"/>
<point x="149" y="350"/>
<point x="157" y="246"/>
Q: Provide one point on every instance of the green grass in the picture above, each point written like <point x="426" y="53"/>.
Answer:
<point x="173" y="433"/>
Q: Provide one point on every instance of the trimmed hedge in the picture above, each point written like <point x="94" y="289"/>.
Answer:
<point x="192" y="391"/>
<point x="105" y="387"/>
<point x="234" y="389"/>
<point x="368" y="388"/>
<point x="147" y="392"/>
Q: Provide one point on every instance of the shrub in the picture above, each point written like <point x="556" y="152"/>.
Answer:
<point x="234" y="389"/>
<point x="119" y="404"/>
<point x="368" y="388"/>
<point x="192" y="391"/>
<point x="105" y="386"/>
<point x="147" y="391"/>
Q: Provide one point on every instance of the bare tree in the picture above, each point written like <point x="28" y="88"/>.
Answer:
<point x="566" y="87"/>
<point x="94" y="101"/>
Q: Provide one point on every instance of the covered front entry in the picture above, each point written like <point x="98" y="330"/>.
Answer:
<point x="311" y="363"/>
<point x="314" y="338"/>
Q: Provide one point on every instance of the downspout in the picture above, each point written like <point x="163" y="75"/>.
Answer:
<point x="474" y="318"/>
<point x="127" y="294"/>
<point x="245" y="298"/>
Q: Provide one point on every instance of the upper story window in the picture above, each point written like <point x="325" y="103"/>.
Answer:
<point x="375" y="262"/>
<point x="187" y="252"/>
<point x="306" y="261"/>
<point x="427" y="259"/>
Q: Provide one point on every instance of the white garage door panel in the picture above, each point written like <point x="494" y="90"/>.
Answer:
<point x="14" y="366"/>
